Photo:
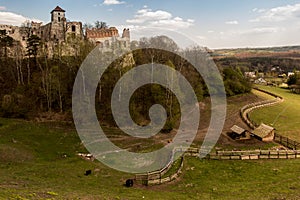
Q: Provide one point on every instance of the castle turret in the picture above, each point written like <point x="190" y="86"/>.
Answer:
<point x="58" y="25"/>
<point x="58" y="15"/>
<point x="126" y="33"/>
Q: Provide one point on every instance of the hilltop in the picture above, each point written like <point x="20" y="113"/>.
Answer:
<point x="292" y="52"/>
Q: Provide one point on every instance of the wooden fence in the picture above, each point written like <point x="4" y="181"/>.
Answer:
<point x="244" y="112"/>
<point x="255" y="155"/>
<point x="170" y="178"/>
<point x="157" y="177"/>
<point x="285" y="141"/>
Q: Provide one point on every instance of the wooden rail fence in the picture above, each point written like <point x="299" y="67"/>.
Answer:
<point x="285" y="141"/>
<point x="255" y="155"/>
<point x="156" y="177"/>
<point x="244" y="112"/>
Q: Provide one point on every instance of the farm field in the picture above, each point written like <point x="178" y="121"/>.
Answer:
<point x="39" y="161"/>
<point x="285" y="117"/>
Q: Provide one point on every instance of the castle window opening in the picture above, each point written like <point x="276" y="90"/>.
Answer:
<point x="73" y="28"/>
<point x="58" y="19"/>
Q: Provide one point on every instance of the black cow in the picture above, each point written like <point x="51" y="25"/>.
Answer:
<point x="129" y="183"/>
<point x="88" y="172"/>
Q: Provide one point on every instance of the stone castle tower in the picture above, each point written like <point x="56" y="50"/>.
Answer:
<point x="59" y="29"/>
<point x="58" y="24"/>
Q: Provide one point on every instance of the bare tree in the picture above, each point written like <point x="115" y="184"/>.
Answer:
<point x="19" y="56"/>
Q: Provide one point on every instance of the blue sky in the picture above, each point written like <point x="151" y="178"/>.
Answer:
<point x="214" y="23"/>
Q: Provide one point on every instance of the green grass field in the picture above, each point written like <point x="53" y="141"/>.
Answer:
<point x="39" y="161"/>
<point x="285" y="117"/>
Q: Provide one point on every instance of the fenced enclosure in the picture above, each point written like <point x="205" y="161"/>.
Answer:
<point x="285" y="141"/>
<point x="244" y="112"/>
<point x="255" y="155"/>
<point x="157" y="177"/>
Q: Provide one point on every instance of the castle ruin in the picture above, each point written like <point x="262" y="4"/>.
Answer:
<point x="59" y="29"/>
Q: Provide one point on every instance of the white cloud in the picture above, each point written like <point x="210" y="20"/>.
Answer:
<point x="10" y="18"/>
<point x="145" y="15"/>
<point x="232" y="22"/>
<point x="2" y="8"/>
<point x="159" y="18"/>
<point x="254" y="31"/>
<point x="113" y="2"/>
<point x="263" y="30"/>
<point x="257" y="10"/>
<point x="277" y="14"/>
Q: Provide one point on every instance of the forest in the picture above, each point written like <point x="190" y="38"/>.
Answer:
<point x="34" y="82"/>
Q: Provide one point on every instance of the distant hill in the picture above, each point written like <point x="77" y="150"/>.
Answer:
<point x="279" y="52"/>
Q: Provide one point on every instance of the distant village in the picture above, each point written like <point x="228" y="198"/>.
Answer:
<point x="59" y="29"/>
<point x="276" y="77"/>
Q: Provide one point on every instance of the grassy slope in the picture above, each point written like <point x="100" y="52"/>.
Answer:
<point x="285" y="117"/>
<point x="33" y="166"/>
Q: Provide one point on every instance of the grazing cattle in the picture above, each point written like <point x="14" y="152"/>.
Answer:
<point x="129" y="183"/>
<point x="88" y="172"/>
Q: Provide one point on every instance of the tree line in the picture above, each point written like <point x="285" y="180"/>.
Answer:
<point x="32" y="82"/>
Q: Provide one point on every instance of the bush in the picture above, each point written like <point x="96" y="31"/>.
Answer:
<point x="14" y="105"/>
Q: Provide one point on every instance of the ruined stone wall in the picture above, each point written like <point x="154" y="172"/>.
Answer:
<point x="46" y="32"/>
<point x="10" y="30"/>
<point x="36" y="28"/>
<point x="126" y="33"/>
<point x="102" y="33"/>
<point x="57" y="32"/>
<point x="106" y="37"/>
<point x="20" y="34"/>
<point x="74" y="28"/>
